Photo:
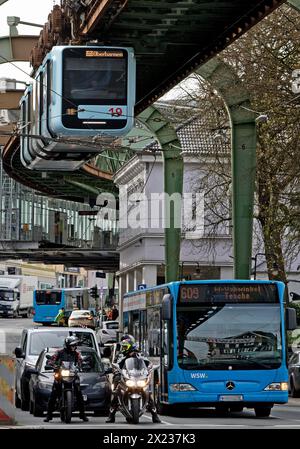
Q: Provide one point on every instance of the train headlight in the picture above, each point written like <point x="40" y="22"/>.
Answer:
<point x="130" y="383"/>
<point x="277" y="386"/>
<point x="182" y="387"/>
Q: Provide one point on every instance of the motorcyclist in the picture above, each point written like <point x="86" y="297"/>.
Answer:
<point x="129" y="349"/>
<point x="67" y="354"/>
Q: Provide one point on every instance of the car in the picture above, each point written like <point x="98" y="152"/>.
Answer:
<point x="33" y="341"/>
<point x="294" y="374"/>
<point x="95" y="385"/>
<point x="82" y="318"/>
<point x="108" y="332"/>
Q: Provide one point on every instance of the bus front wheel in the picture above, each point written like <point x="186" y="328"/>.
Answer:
<point x="262" y="412"/>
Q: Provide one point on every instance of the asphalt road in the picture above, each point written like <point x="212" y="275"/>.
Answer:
<point x="282" y="417"/>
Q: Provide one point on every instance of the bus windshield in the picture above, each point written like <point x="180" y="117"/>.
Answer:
<point x="229" y="336"/>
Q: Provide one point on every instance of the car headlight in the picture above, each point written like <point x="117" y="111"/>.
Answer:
<point x="65" y="372"/>
<point x="182" y="387"/>
<point x="45" y="385"/>
<point x="130" y="383"/>
<point x="277" y="386"/>
<point x="142" y="383"/>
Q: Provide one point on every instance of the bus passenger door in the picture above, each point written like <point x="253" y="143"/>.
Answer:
<point x="165" y="359"/>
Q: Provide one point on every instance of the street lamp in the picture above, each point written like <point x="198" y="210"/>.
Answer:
<point x="274" y="269"/>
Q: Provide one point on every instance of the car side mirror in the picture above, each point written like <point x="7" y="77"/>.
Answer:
<point x="19" y="353"/>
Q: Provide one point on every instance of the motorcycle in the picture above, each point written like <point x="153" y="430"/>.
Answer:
<point x="67" y="376"/>
<point x="133" y="388"/>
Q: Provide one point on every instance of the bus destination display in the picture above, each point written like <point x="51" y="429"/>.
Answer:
<point x="228" y="293"/>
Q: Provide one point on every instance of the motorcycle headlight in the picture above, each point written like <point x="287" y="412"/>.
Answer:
<point x="130" y="383"/>
<point x="65" y="372"/>
<point x="277" y="386"/>
<point x="142" y="383"/>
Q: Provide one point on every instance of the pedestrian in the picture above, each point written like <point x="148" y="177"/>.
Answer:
<point x="114" y="312"/>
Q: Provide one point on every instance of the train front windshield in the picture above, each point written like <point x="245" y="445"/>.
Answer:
<point x="100" y="79"/>
<point x="222" y="331"/>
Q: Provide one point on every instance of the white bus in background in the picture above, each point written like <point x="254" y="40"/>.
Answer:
<point x="16" y="295"/>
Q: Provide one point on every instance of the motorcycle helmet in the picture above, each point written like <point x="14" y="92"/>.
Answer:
<point x="127" y="344"/>
<point x="71" y="343"/>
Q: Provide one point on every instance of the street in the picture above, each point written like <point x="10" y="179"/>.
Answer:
<point x="282" y="416"/>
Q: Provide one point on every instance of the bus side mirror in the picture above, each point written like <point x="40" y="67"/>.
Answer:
<point x="166" y="307"/>
<point x="290" y="319"/>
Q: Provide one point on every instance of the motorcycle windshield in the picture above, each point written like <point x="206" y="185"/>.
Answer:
<point x="68" y="366"/>
<point x="136" y="367"/>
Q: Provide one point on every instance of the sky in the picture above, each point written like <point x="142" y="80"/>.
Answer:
<point x="34" y="11"/>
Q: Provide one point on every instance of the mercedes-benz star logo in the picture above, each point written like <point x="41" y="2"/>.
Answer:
<point x="230" y="385"/>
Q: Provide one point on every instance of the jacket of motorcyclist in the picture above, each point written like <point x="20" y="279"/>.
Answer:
<point x="129" y="349"/>
<point x="68" y="353"/>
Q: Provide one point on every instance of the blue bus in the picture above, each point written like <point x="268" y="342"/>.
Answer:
<point x="47" y="302"/>
<point x="219" y="343"/>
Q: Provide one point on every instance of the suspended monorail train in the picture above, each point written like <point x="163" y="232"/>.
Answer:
<point x="82" y="98"/>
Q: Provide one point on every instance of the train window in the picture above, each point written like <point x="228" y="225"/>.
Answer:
<point x="91" y="78"/>
<point x="41" y="90"/>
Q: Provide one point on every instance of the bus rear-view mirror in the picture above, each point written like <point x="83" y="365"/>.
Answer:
<point x="290" y="319"/>
<point x="166" y="307"/>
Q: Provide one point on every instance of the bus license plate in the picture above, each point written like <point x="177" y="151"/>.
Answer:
<point x="84" y="397"/>
<point x="231" y="398"/>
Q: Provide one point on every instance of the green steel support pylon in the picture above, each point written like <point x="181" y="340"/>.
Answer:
<point x="173" y="184"/>
<point x="243" y="162"/>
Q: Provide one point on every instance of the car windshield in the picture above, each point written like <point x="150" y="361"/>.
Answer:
<point x="55" y="339"/>
<point x="90" y="362"/>
<point x="233" y="335"/>
<point x="112" y="325"/>
<point x="80" y="313"/>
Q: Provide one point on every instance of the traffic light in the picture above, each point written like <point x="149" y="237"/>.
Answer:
<point x="94" y="292"/>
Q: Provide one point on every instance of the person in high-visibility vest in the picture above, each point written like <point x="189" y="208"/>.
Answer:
<point x="61" y="318"/>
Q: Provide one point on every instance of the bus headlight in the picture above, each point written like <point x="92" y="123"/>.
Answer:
<point x="182" y="387"/>
<point x="130" y="383"/>
<point x="277" y="386"/>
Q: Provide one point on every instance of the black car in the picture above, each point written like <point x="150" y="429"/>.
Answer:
<point x="294" y="374"/>
<point x="94" y="383"/>
<point x="33" y="341"/>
